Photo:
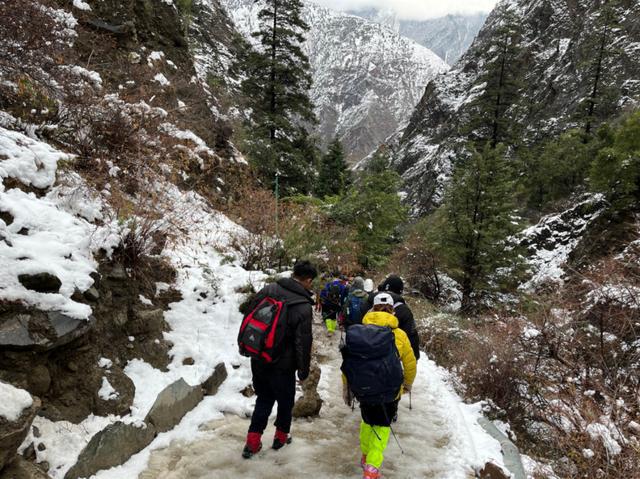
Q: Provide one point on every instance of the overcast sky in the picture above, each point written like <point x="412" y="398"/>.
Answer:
<point x="415" y="9"/>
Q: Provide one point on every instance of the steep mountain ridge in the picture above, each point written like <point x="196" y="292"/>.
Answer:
<point x="367" y="78"/>
<point x="448" y="37"/>
<point x="555" y="82"/>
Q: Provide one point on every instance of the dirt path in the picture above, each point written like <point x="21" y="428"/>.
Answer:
<point x="437" y="436"/>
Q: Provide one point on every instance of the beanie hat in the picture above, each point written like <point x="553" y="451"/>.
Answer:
<point x="394" y="284"/>
<point x="368" y="285"/>
<point x="358" y="283"/>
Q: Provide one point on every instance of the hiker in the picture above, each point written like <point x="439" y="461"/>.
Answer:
<point x="394" y="286"/>
<point x="355" y="305"/>
<point x="275" y="358"/>
<point x="332" y="298"/>
<point x="378" y="367"/>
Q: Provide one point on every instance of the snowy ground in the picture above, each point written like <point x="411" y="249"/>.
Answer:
<point x="440" y="437"/>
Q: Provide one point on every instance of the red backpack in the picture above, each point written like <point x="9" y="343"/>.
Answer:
<point x="263" y="329"/>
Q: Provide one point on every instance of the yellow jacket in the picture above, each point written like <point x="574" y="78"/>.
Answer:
<point x="380" y="318"/>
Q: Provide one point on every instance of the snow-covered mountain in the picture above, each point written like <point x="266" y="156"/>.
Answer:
<point x="559" y="46"/>
<point x="448" y="37"/>
<point x="367" y="77"/>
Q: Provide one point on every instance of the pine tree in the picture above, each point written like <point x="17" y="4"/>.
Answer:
<point x="599" y="51"/>
<point x="373" y="208"/>
<point x="475" y="222"/>
<point x="277" y="88"/>
<point x="493" y="116"/>
<point x="334" y="178"/>
<point x="616" y="169"/>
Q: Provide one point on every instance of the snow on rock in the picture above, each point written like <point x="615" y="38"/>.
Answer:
<point x="161" y="79"/>
<point x="40" y="236"/>
<point x="14" y="401"/>
<point x="602" y="432"/>
<point x="107" y="391"/>
<point x="30" y="161"/>
<point x="555" y="237"/>
<point x="80" y="5"/>
<point x="64" y="441"/>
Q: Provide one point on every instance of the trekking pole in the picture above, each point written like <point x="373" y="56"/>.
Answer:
<point x="396" y="438"/>
<point x="410" y="405"/>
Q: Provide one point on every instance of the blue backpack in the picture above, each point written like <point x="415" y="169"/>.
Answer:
<point x="356" y="309"/>
<point x="371" y="363"/>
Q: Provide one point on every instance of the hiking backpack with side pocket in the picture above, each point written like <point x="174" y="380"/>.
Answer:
<point x="263" y="329"/>
<point x="371" y="364"/>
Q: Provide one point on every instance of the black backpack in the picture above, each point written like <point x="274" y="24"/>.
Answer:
<point x="264" y="328"/>
<point x="371" y="363"/>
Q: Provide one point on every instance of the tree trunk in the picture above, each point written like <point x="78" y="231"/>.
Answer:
<point x="274" y="51"/>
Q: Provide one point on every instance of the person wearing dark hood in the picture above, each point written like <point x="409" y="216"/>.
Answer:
<point x="284" y="307"/>
<point x="395" y="287"/>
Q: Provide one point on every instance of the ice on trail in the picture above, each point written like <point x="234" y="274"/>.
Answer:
<point x="440" y="436"/>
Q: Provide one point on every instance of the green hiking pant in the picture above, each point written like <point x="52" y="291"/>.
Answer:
<point x="332" y="324"/>
<point x="373" y="442"/>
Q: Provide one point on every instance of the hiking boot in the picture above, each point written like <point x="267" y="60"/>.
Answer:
<point x="371" y="472"/>
<point x="252" y="446"/>
<point x="280" y="440"/>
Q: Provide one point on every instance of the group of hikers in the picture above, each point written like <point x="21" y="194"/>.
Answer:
<point x="380" y="350"/>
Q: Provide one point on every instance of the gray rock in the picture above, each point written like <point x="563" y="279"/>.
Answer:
<point x="92" y="294"/>
<point x="310" y="404"/>
<point x="20" y="468"/>
<point x="118" y="272"/>
<point x="111" y="447"/>
<point x="211" y="385"/>
<point x="40" y="331"/>
<point x="39" y="380"/>
<point x="13" y="433"/>
<point x="172" y="404"/>
<point x="146" y="321"/>
<point x="41" y="282"/>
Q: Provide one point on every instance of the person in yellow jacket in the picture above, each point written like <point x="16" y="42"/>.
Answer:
<point x="375" y="427"/>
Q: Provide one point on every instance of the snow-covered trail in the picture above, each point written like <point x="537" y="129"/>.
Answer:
<point x="440" y="437"/>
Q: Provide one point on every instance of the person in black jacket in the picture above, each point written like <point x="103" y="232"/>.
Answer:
<point x="276" y="381"/>
<point x="395" y="287"/>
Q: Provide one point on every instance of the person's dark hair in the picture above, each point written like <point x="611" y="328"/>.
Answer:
<point x="305" y="270"/>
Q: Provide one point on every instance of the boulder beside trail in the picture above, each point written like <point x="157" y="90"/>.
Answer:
<point x="111" y="447"/>
<point x="211" y="385"/>
<point x="172" y="404"/>
<point x="310" y="404"/>
<point x="12" y="433"/>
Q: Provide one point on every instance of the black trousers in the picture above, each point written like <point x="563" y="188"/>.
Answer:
<point x="379" y="414"/>
<point x="270" y="388"/>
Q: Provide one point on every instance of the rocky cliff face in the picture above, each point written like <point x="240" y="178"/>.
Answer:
<point x="559" y="43"/>
<point x="448" y="37"/>
<point x="367" y="78"/>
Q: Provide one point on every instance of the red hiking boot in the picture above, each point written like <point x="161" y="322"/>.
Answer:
<point x="253" y="445"/>
<point x="280" y="440"/>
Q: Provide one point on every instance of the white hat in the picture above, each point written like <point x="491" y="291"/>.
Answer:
<point x="368" y="285"/>
<point x="383" y="298"/>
